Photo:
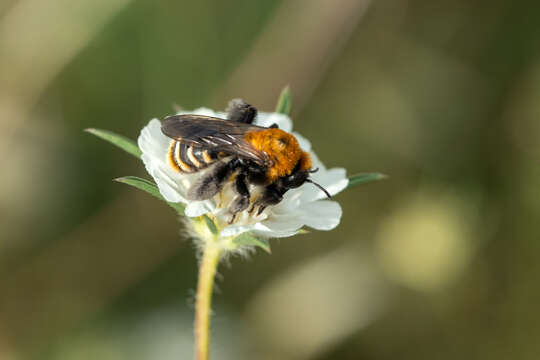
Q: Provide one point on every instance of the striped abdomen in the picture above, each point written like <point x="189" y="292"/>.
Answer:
<point x="188" y="158"/>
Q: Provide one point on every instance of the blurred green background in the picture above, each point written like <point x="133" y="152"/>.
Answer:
<point x="438" y="262"/>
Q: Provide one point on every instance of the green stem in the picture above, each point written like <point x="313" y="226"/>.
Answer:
<point x="207" y="271"/>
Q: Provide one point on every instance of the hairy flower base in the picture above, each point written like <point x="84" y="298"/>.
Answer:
<point x="201" y="232"/>
<point x="303" y="206"/>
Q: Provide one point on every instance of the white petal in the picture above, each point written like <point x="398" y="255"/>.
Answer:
<point x="262" y="230"/>
<point x="154" y="146"/>
<point x="275" y="233"/>
<point x="152" y="141"/>
<point x="316" y="163"/>
<point x="170" y="189"/>
<point x="304" y="143"/>
<point x="198" y="208"/>
<point x="333" y="180"/>
<point x="201" y="111"/>
<point x="266" y="119"/>
<point x="275" y="225"/>
<point x="233" y="230"/>
<point x="321" y="215"/>
<point x="290" y="201"/>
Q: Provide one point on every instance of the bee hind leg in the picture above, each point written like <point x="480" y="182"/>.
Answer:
<point x="211" y="183"/>
<point x="240" y="111"/>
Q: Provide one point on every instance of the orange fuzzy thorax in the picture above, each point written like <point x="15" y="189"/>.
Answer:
<point x="283" y="150"/>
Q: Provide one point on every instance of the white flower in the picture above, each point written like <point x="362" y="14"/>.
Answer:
<point x="306" y="205"/>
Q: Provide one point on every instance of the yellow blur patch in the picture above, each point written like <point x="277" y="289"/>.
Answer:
<point x="426" y="243"/>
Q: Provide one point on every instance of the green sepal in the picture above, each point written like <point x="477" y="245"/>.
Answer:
<point x="251" y="240"/>
<point x="150" y="188"/>
<point x="365" y="178"/>
<point x="210" y="225"/>
<point x="122" y="142"/>
<point x="284" y="104"/>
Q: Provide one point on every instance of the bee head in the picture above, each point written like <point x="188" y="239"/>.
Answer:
<point x="298" y="177"/>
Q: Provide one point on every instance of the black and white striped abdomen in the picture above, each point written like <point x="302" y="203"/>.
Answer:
<point x="189" y="158"/>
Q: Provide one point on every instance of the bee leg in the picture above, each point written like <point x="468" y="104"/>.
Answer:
<point x="240" y="111"/>
<point x="211" y="183"/>
<point x="273" y="126"/>
<point x="272" y="195"/>
<point x="220" y="203"/>
<point x="242" y="201"/>
<point x="250" y="211"/>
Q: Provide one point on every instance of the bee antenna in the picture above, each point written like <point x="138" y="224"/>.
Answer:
<point x="313" y="170"/>
<point x="320" y="187"/>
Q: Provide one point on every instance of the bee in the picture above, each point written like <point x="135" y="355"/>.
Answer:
<point x="235" y="149"/>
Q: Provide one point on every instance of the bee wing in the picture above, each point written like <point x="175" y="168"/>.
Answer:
<point x="214" y="134"/>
